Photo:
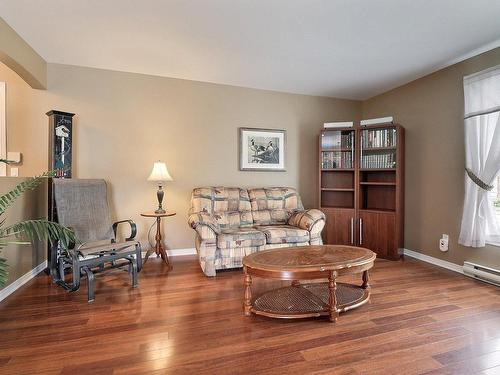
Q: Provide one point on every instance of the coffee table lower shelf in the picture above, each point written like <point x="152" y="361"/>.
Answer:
<point x="307" y="300"/>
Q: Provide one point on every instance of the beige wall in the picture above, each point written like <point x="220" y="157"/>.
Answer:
<point x="124" y="122"/>
<point x="31" y="205"/>
<point x="20" y="57"/>
<point x="431" y="110"/>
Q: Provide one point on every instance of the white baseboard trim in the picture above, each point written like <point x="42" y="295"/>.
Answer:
<point x="11" y="288"/>
<point x="437" y="262"/>
<point x="177" y="252"/>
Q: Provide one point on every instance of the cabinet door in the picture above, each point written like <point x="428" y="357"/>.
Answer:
<point x="340" y="227"/>
<point x="377" y="232"/>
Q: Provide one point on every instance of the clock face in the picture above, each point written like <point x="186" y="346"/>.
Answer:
<point x="62" y="141"/>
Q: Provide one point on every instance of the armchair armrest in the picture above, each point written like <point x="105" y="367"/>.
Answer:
<point x="133" y="229"/>
<point x="306" y="219"/>
<point x="202" y="220"/>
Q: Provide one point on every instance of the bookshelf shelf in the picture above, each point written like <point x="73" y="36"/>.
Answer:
<point x="379" y="148"/>
<point x="377" y="169"/>
<point x="377" y="211"/>
<point x="337" y="170"/>
<point x="378" y="183"/>
<point x="337" y="189"/>
<point x="336" y="149"/>
<point x="361" y="175"/>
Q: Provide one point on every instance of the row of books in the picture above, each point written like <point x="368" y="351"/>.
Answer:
<point x="379" y="161"/>
<point x="337" y="140"/>
<point x="331" y="160"/>
<point x="378" y="138"/>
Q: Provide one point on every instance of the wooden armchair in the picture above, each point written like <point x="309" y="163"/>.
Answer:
<point x="82" y="205"/>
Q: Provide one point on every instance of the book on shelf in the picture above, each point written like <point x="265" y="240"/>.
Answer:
<point x="378" y="138"/>
<point x="336" y="160"/>
<point x="378" y="161"/>
<point x="337" y="140"/>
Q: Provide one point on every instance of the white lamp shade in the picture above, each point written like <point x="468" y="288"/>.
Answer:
<point x="159" y="173"/>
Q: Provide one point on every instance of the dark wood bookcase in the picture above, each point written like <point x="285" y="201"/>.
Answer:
<point x="361" y="182"/>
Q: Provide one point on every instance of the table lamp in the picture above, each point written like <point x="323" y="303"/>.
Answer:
<point x="159" y="174"/>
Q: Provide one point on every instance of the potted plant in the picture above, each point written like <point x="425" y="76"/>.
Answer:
<point x="25" y="232"/>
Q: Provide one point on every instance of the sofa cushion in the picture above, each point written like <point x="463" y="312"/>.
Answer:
<point x="283" y="233"/>
<point x="240" y="237"/>
<point x="219" y="199"/>
<point x="233" y="219"/>
<point x="274" y="205"/>
<point x="229" y="206"/>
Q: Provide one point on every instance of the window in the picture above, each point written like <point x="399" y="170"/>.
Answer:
<point x="481" y="214"/>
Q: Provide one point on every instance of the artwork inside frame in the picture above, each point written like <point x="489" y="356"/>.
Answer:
<point x="262" y="149"/>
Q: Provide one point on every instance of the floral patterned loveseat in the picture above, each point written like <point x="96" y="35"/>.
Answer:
<point x="232" y="222"/>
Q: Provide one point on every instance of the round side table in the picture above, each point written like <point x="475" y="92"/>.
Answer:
<point x="158" y="249"/>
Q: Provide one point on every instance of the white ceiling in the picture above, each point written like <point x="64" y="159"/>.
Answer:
<point x="340" y="48"/>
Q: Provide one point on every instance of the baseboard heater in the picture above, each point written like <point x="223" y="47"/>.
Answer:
<point x="483" y="273"/>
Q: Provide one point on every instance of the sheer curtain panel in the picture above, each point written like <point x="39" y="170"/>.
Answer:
<point x="482" y="157"/>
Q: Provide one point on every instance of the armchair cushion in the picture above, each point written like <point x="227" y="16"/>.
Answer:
<point x="240" y="237"/>
<point x="283" y="234"/>
<point x="306" y="219"/>
<point x="100" y="248"/>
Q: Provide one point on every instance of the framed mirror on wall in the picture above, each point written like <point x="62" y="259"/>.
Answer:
<point x="3" y="130"/>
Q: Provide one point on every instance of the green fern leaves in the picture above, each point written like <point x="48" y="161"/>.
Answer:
<point x="41" y="229"/>
<point x="29" y="230"/>
<point x="7" y="199"/>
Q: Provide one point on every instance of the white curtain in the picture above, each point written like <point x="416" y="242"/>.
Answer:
<point x="482" y="152"/>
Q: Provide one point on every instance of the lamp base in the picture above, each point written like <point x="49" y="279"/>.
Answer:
<point x="159" y="195"/>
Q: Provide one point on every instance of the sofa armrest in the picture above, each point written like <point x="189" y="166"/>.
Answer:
<point x="306" y="219"/>
<point x="205" y="224"/>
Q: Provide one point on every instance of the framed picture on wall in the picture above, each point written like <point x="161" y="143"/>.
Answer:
<point x="262" y="149"/>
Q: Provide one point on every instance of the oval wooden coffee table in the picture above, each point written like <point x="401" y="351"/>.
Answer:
<point x="308" y="263"/>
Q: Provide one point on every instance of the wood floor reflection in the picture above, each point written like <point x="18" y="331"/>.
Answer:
<point x="421" y="319"/>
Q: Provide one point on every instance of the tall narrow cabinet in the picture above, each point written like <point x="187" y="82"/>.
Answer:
<point x="361" y="182"/>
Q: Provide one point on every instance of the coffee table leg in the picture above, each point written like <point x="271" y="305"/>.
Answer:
<point x="332" y="288"/>
<point x="247" y="304"/>
<point x="366" y="279"/>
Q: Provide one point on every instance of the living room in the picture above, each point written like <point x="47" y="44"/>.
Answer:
<point x="165" y="103"/>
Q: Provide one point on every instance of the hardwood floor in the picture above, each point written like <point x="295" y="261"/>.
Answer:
<point x="421" y="320"/>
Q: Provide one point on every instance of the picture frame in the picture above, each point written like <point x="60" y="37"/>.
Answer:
<point x="262" y="149"/>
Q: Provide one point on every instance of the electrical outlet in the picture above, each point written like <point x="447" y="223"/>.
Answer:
<point x="14" y="172"/>
<point x="443" y="242"/>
